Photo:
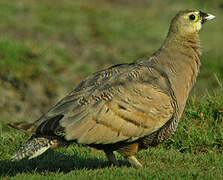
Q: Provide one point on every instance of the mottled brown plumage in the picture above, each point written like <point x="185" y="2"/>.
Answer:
<point x="127" y="107"/>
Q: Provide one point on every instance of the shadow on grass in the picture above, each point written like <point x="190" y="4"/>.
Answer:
<point x="53" y="162"/>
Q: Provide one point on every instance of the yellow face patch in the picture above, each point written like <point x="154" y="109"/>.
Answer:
<point x="193" y="17"/>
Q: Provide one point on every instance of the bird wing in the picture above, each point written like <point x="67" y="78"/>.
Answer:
<point x="122" y="103"/>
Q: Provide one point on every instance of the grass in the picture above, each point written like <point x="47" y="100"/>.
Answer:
<point x="194" y="152"/>
<point x="47" y="48"/>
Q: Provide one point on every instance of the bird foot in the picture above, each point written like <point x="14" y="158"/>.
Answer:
<point x="134" y="162"/>
<point x="111" y="158"/>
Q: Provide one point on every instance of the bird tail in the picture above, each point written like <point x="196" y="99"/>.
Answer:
<point x="27" y="127"/>
<point x="34" y="147"/>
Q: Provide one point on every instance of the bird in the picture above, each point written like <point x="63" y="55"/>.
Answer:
<point x="127" y="107"/>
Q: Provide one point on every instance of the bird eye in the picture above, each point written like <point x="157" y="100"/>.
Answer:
<point x="193" y="17"/>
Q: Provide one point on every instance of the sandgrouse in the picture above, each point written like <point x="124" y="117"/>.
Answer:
<point x="126" y="107"/>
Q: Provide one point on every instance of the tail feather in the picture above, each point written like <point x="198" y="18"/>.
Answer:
<point x="34" y="147"/>
<point x="28" y="127"/>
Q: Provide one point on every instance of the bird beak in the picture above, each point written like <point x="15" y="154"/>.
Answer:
<point x="205" y="17"/>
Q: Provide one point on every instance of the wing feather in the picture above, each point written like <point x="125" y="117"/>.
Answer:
<point x="118" y="104"/>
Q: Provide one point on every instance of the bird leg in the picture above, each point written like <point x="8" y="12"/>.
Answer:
<point x="111" y="157"/>
<point x="134" y="162"/>
<point x="129" y="152"/>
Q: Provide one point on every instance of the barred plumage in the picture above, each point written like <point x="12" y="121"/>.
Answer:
<point x="34" y="147"/>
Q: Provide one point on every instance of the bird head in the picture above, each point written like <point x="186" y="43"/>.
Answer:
<point x="189" y="22"/>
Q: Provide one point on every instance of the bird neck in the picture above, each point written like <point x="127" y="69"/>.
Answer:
<point x="178" y="57"/>
<point x="191" y="41"/>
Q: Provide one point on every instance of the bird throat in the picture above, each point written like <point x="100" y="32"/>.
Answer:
<point x="179" y="58"/>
